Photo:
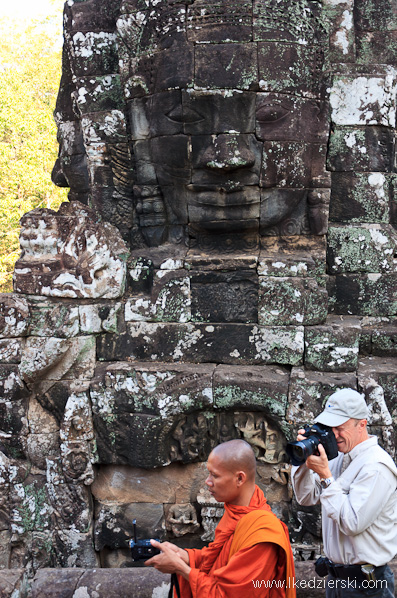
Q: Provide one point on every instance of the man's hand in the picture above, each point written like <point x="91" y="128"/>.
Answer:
<point x="171" y="559"/>
<point x="317" y="463"/>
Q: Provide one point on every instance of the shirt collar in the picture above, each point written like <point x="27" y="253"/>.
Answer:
<point x="363" y="446"/>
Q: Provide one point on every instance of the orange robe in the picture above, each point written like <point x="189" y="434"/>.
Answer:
<point x="251" y="557"/>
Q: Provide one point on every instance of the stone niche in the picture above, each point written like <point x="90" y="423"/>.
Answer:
<point x="226" y="261"/>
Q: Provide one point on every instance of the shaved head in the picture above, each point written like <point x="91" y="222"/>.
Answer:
<point x="237" y="455"/>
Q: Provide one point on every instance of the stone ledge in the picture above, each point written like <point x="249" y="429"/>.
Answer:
<point x="135" y="582"/>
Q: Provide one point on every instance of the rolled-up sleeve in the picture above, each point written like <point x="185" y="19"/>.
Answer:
<point x="306" y="485"/>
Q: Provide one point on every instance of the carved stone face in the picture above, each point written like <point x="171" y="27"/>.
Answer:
<point x="227" y="132"/>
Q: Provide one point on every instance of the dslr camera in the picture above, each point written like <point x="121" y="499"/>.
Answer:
<point x="315" y="434"/>
<point x="141" y="550"/>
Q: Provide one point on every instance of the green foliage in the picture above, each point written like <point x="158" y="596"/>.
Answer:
<point x="30" y="70"/>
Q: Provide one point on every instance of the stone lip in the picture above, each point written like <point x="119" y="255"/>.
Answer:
<point x="136" y="582"/>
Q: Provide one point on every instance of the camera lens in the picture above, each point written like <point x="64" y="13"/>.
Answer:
<point x="300" y="450"/>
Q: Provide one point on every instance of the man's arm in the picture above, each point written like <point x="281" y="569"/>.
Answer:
<point x="356" y="510"/>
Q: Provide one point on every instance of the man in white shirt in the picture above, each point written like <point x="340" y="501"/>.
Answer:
<point x="358" y="495"/>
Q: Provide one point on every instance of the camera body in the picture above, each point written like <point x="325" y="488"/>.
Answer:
<point x="141" y="550"/>
<point x="315" y="434"/>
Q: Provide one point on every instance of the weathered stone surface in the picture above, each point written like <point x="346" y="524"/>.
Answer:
<point x="12" y="581"/>
<point x="222" y="343"/>
<point x="365" y="248"/>
<point x="69" y="253"/>
<point x="292" y="256"/>
<point x="60" y="582"/>
<point x="262" y="387"/>
<point x="10" y="350"/>
<point x="169" y="300"/>
<point x="377" y="47"/>
<point x="291" y="301"/>
<point x="45" y="360"/>
<point x="100" y="318"/>
<point x="333" y="347"/>
<point x="53" y="319"/>
<point x="113" y="523"/>
<point x="172" y="484"/>
<point x="75" y="549"/>
<point x="308" y="392"/>
<point x="340" y="19"/>
<point x="14" y="315"/>
<point x="371" y="294"/>
<point x="361" y="101"/>
<point x="359" y="197"/>
<point x="224" y="297"/>
<point x="361" y="149"/>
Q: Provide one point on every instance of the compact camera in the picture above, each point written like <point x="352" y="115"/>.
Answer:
<point x="315" y="434"/>
<point x="141" y="550"/>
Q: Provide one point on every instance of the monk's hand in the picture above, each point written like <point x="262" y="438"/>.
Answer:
<point x="171" y="559"/>
<point x="319" y="463"/>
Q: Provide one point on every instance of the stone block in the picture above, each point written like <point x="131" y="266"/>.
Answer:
<point x="224" y="296"/>
<point x="138" y="582"/>
<point x="260" y="387"/>
<point x="341" y="34"/>
<point x="384" y="340"/>
<point x="291" y="301"/>
<point x="10" y="350"/>
<point x="376" y="47"/>
<point x="94" y="53"/>
<point x="241" y="344"/>
<point x="54" y="399"/>
<point x="292" y="256"/>
<point x="212" y="63"/>
<point x="40" y="446"/>
<point x="169" y="300"/>
<point x="70" y="254"/>
<point x="359" y="197"/>
<point x="60" y="582"/>
<point x="289" y="67"/>
<point x="29" y="508"/>
<point x="5" y="550"/>
<point x="104" y="317"/>
<point x="14" y="315"/>
<point x="333" y="347"/>
<point x="47" y="359"/>
<point x="75" y="549"/>
<point x="113" y="523"/>
<point x="308" y="392"/>
<point x="98" y="93"/>
<point x="53" y="319"/>
<point x="364" y="248"/>
<point x="11" y="581"/>
<point x="363" y="149"/>
<point x="153" y="388"/>
<point x="222" y="22"/>
<point x="363" y="294"/>
<point x="358" y="101"/>
<point x="171" y="484"/>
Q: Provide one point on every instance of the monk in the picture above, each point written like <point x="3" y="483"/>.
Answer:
<point x="251" y="555"/>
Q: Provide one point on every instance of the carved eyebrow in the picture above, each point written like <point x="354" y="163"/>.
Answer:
<point x="180" y="114"/>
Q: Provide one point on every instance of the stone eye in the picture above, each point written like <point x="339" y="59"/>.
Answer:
<point x="271" y="113"/>
<point x="181" y="114"/>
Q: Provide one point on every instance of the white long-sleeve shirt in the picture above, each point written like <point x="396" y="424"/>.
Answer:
<point x="359" y="509"/>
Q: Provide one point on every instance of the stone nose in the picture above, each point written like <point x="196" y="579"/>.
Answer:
<point x="227" y="153"/>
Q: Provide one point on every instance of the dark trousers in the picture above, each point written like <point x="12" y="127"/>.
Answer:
<point x="350" y="588"/>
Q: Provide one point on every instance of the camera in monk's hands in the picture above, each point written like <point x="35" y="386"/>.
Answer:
<point x="141" y="550"/>
<point x="315" y="434"/>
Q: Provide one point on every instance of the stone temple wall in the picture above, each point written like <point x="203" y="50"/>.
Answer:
<point x="226" y="261"/>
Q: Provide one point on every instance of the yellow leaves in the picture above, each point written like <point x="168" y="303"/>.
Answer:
<point x="30" y="70"/>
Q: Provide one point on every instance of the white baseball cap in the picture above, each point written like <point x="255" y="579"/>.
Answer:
<point x="343" y="405"/>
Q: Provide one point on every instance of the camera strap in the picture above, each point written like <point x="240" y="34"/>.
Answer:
<point x="174" y="584"/>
